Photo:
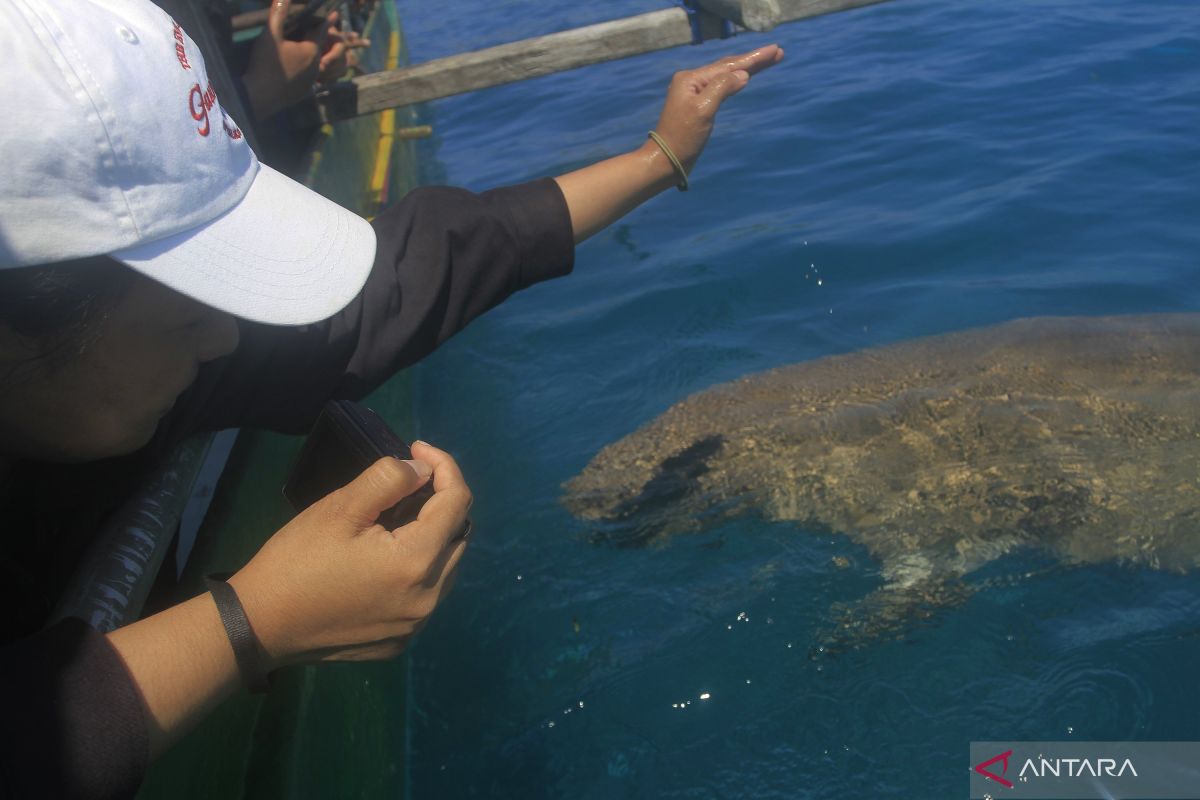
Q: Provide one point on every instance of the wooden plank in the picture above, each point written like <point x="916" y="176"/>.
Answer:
<point x="558" y="52"/>
<point x="754" y="15"/>
<point x="517" y="61"/>
<point x="793" y="10"/>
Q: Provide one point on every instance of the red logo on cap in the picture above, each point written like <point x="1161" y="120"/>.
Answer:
<point x="200" y="103"/>
<point x="180" y="53"/>
<point x="231" y="130"/>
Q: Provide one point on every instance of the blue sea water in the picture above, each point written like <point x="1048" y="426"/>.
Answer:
<point x="912" y="168"/>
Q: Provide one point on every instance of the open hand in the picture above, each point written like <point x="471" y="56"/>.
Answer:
<point x="695" y="95"/>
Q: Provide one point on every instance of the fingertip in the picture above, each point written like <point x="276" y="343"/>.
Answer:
<point x="423" y="450"/>
<point x="422" y="468"/>
<point x="742" y="75"/>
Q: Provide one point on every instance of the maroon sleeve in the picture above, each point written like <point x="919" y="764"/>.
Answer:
<point x="444" y="257"/>
<point x="74" y="723"/>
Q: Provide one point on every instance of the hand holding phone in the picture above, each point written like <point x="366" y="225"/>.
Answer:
<point x="347" y="439"/>
<point x="332" y="585"/>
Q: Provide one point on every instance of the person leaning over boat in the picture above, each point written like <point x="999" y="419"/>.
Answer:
<point x="156" y="281"/>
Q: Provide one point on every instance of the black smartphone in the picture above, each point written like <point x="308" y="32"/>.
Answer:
<point x="347" y="438"/>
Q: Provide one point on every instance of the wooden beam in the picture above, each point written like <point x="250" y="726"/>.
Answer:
<point x="529" y="58"/>
<point x="754" y="15"/>
<point x="793" y="10"/>
<point x="558" y="52"/>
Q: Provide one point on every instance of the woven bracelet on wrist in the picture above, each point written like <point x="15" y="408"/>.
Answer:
<point x="251" y="660"/>
<point x="676" y="164"/>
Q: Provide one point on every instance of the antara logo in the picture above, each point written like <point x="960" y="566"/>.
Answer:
<point x="982" y="769"/>
<point x="1077" y="767"/>
<point x="1042" y="767"/>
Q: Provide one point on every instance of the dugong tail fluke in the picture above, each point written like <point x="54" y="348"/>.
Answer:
<point x="1076" y="436"/>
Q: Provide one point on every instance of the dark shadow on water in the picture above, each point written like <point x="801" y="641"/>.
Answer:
<point x="655" y="511"/>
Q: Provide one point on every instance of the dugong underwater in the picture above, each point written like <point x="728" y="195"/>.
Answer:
<point x="1076" y="436"/>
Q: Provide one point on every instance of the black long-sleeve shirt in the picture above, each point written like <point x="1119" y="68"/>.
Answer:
<point x="73" y="721"/>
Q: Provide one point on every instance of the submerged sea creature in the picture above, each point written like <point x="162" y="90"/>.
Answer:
<point x="1076" y="436"/>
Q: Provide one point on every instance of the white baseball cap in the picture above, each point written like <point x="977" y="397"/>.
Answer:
<point x="114" y="142"/>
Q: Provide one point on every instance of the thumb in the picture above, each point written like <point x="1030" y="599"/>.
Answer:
<point x="378" y="488"/>
<point x="277" y="16"/>
<point x="724" y="86"/>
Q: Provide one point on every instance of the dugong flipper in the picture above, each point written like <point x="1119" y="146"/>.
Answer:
<point x="1078" y="436"/>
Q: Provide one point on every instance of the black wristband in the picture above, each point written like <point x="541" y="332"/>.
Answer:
<point x="251" y="660"/>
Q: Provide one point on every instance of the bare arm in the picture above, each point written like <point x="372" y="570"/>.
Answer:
<point x="602" y="193"/>
<point x="330" y="586"/>
<point x="183" y="665"/>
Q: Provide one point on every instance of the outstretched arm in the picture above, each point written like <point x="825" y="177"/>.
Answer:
<point x="602" y="193"/>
